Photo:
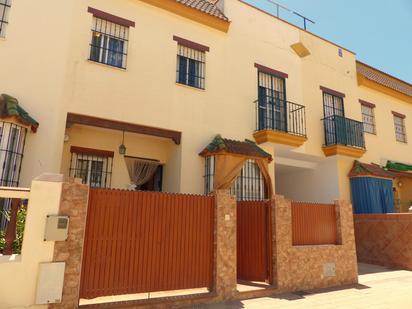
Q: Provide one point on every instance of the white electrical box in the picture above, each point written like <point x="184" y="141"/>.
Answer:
<point x="50" y="283"/>
<point x="57" y="228"/>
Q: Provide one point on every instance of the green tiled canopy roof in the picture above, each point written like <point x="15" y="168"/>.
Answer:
<point x="246" y="148"/>
<point x="10" y="108"/>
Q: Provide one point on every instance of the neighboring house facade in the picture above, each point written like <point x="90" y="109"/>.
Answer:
<point x="146" y="85"/>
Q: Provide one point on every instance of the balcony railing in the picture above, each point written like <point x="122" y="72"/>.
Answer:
<point x="343" y="131"/>
<point x="281" y="115"/>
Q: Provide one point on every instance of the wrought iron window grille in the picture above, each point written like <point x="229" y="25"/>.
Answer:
<point x="109" y="43"/>
<point x="190" y="68"/>
<point x="248" y="186"/>
<point x="400" y="131"/>
<point x="5" y="6"/>
<point x="94" y="170"/>
<point x="274" y="112"/>
<point x="368" y="119"/>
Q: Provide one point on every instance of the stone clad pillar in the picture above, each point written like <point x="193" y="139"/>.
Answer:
<point x="225" y="245"/>
<point x="74" y="200"/>
<point x="282" y="239"/>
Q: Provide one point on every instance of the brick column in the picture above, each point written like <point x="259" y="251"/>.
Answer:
<point x="73" y="203"/>
<point x="225" y="244"/>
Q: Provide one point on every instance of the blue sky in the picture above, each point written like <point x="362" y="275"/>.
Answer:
<point x="378" y="31"/>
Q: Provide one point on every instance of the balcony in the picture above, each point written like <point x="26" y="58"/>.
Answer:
<point x="343" y="136"/>
<point x="281" y="122"/>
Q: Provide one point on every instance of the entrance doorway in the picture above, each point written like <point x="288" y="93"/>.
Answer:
<point x="254" y="237"/>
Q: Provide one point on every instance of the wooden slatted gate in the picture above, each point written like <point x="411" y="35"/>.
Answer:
<point x="254" y="241"/>
<point x="139" y="242"/>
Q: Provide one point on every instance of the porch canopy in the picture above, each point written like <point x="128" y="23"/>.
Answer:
<point x="231" y="155"/>
<point x="11" y="111"/>
<point x="86" y="120"/>
<point x="372" y="188"/>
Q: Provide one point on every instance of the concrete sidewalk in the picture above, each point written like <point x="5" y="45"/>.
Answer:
<point x="378" y="287"/>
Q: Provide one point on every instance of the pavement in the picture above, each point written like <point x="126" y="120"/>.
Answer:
<point x="378" y="288"/>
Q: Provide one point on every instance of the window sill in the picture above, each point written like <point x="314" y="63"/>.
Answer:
<point x="14" y="258"/>
<point x="106" y="66"/>
<point x="190" y="87"/>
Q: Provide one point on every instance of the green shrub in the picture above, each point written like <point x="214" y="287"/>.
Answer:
<point x="20" y="223"/>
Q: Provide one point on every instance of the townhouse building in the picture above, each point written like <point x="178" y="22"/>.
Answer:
<point x="128" y="94"/>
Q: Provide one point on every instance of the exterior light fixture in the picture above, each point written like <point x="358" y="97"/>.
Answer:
<point x="122" y="147"/>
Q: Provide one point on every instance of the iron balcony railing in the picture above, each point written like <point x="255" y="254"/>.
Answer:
<point x="280" y="115"/>
<point x="343" y="131"/>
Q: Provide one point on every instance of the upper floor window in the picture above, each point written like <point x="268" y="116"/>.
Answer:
<point x="271" y="102"/>
<point x="12" y="140"/>
<point x="109" y="43"/>
<point x="4" y="16"/>
<point x="400" y="132"/>
<point x="93" y="166"/>
<point x="368" y="117"/>
<point x="332" y="105"/>
<point x="191" y="59"/>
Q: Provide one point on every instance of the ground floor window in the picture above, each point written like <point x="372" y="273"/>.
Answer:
<point x="12" y="140"/>
<point x="93" y="166"/>
<point x="249" y="185"/>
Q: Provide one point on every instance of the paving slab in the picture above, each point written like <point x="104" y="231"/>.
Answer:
<point x="379" y="287"/>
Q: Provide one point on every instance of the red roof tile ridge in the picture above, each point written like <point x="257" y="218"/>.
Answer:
<point x="383" y="72"/>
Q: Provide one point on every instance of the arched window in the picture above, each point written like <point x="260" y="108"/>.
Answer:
<point x="248" y="186"/>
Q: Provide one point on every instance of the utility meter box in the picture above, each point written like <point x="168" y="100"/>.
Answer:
<point x="329" y="270"/>
<point x="57" y="228"/>
<point x="50" y="283"/>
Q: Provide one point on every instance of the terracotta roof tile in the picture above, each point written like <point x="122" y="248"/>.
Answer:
<point x="383" y="79"/>
<point x="246" y="148"/>
<point x="205" y="6"/>
<point x="373" y="170"/>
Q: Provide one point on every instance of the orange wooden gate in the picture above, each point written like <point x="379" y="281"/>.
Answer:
<point x="254" y="241"/>
<point x="313" y="224"/>
<point x="146" y="241"/>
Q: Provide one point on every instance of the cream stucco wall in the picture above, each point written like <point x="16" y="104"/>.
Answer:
<point x="54" y="77"/>
<point x="383" y="146"/>
<point x="19" y="273"/>
<point x="226" y="106"/>
<point x="33" y="68"/>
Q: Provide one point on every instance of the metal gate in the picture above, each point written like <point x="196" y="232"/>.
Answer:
<point x="139" y="242"/>
<point x="254" y="241"/>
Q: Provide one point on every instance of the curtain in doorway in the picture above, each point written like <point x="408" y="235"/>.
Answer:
<point x="228" y="168"/>
<point x="140" y="170"/>
<point x="372" y="195"/>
